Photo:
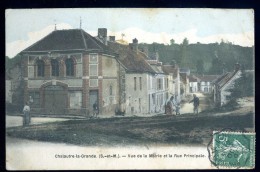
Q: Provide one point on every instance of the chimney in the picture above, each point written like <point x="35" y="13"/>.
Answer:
<point x="134" y="45"/>
<point x="237" y="66"/>
<point x="102" y="35"/>
<point x="112" y="38"/>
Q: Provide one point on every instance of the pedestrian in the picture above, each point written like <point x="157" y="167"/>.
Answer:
<point x="170" y="106"/>
<point x="196" y="103"/>
<point x="26" y="115"/>
<point x="177" y="109"/>
<point x="95" y="109"/>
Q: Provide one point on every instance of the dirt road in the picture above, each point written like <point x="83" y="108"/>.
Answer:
<point x="187" y="129"/>
<point x="205" y="103"/>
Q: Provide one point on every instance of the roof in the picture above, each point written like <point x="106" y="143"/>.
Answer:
<point x="157" y="69"/>
<point x="72" y="39"/>
<point x="184" y="70"/>
<point x="193" y="78"/>
<point x="223" y="79"/>
<point x="207" y="78"/>
<point x="170" y="69"/>
<point x="133" y="62"/>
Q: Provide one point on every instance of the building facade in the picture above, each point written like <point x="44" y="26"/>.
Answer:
<point x="67" y="71"/>
<point x="224" y="84"/>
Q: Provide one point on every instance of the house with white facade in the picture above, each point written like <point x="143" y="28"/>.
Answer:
<point x="223" y="85"/>
<point x="206" y="83"/>
<point x="194" y="83"/>
<point x="174" y="80"/>
<point x="138" y="82"/>
<point x="162" y="85"/>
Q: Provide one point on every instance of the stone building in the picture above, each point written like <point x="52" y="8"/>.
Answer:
<point x="137" y="78"/>
<point x="172" y="70"/>
<point x="67" y="71"/>
<point x="223" y="85"/>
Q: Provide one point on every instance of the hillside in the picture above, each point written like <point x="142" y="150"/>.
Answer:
<point x="204" y="58"/>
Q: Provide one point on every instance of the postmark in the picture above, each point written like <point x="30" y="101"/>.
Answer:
<point x="233" y="149"/>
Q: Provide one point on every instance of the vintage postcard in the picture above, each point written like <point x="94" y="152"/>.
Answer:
<point x="128" y="88"/>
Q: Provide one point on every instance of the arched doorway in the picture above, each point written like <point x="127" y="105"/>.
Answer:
<point x="55" y="99"/>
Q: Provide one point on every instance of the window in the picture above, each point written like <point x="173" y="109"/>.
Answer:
<point x="54" y="68"/>
<point x="34" y="99"/>
<point x="93" y="58"/>
<point x="159" y="82"/>
<point x="167" y="83"/>
<point x="135" y="83"/>
<point x="93" y="70"/>
<point x="40" y="68"/>
<point x="111" y="90"/>
<point x="140" y="80"/>
<point x="69" y="67"/>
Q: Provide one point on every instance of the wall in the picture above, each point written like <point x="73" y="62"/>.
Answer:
<point x="8" y="92"/>
<point x="194" y="87"/>
<point x="79" y="84"/>
<point x="224" y="92"/>
<point x="16" y="85"/>
<point x="206" y="87"/>
<point x="136" y="100"/>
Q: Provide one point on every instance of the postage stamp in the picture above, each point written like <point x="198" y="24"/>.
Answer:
<point x="234" y="149"/>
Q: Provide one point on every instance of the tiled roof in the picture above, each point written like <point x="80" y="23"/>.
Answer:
<point x="157" y="69"/>
<point x="222" y="80"/>
<point x="134" y="62"/>
<point x="193" y="78"/>
<point x="170" y="69"/>
<point x="60" y="40"/>
<point x="207" y="78"/>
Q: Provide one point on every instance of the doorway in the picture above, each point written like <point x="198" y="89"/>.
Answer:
<point x="93" y="97"/>
<point x="55" y="99"/>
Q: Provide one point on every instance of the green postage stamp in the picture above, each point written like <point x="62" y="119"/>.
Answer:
<point x="234" y="149"/>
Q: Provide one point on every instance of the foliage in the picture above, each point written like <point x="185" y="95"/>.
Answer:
<point x="172" y="41"/>
<point x="200" y="66"/>
<point x="244" y="86"/>
<point x="11" y="62"/>
<point x="216" y="57"/>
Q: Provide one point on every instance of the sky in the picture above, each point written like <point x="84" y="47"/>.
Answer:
<point x="26" y="26"/>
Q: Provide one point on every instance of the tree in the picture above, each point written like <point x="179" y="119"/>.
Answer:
<point x="185" y="42"/>
<point x="172" y="41"/>
<point x="200" y="66"/>
<point x="216" y="66"/>
<point x="244" y="86"/>
<point x="184" y="46"/>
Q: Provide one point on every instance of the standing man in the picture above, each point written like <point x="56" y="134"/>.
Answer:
<point x="196" y="103"/>
<point x="170" y="106"/>
<point x="26" y="115"/>
<point x="95" y="109"/>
